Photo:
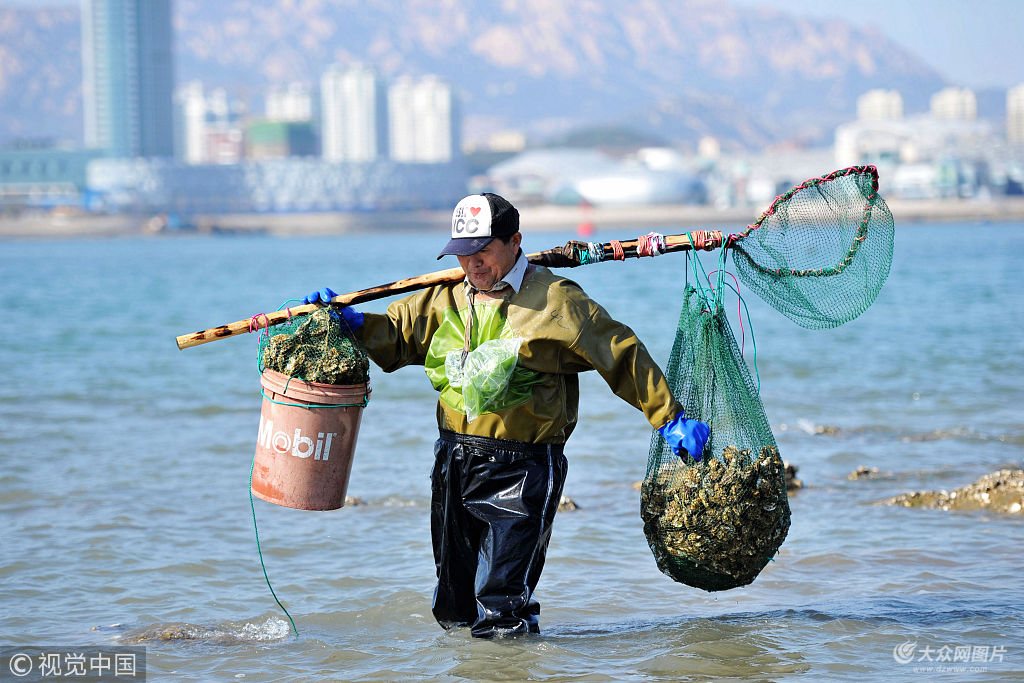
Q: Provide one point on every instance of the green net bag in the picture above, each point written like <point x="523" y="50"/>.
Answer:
<point x="715" y="523"/>
<point x="315" y="348"/>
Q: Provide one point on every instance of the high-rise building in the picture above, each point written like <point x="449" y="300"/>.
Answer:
<point x="402" y="119"/>
<point x="354" y="120"/>
<point x="954" y="104"/>
<point x="190" y="123"/>
<point x="291" y="102"/>
<point x="880" y="105"/>
<point x="208" y="125"/>
<point x="1015" y="114"/>
<point x="423" y="120"/>
<point x="128" y="83"/>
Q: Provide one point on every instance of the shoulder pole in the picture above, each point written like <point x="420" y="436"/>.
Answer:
<point x="573" y="253"/>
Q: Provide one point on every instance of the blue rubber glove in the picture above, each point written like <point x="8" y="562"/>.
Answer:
<point x="685" y="436"/>
<point x="320" y="296"/>
<point x="351" y="317"/>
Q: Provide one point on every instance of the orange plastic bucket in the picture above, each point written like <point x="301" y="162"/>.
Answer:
<point x="306" y="438"/>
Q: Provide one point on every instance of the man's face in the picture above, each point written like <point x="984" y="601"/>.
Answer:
<point x="490" y="264"/>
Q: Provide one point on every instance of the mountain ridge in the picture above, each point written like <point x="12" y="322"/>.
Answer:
<point x="676" y="68"/>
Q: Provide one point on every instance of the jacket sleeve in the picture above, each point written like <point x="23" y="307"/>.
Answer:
<point x="622" y="360"/>
<point x="401" y="336"/>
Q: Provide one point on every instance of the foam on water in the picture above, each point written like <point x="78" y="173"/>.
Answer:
<point x="229" y="633"/>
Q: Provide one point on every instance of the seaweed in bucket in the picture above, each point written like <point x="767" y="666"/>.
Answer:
<point x="315" y="348"/>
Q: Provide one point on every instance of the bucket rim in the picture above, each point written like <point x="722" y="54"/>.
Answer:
<point x="313" y="392"/>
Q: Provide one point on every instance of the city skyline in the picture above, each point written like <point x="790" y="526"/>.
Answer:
<point x="715" y="82"/>
<point x="369" y="123"/>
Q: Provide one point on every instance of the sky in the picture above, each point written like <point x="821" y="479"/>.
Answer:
<point x="973" y="43"/>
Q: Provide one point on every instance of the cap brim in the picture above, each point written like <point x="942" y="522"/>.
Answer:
<point x="464" y="246"/>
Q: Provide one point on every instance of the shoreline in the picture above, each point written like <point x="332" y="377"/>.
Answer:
<point x="534" y="218"/>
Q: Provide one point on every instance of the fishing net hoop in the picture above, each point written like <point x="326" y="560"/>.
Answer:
<point x="821" y="251"/>
<point x="734" y="240"/>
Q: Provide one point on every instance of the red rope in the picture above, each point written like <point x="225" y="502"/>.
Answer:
<point x="618" y="253"/>
<point x="254" y="323"/>
<point x="702" y="239"/>
<point x="650" y="244"/>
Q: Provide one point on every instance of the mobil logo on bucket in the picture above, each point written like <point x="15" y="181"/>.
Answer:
<point x="297" y="443"/>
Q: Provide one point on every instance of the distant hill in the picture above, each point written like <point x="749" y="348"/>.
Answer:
<point x="671" y="69"/>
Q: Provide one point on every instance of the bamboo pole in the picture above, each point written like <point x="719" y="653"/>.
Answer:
<point x="566" y="256"/>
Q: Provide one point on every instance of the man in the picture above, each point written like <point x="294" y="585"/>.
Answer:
<point x="503" y="348"/>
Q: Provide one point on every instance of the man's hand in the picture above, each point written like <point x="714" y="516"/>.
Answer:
<point x="320" y="296"/>
<point x="685" y="436"/>
<point x="351" y="317"/>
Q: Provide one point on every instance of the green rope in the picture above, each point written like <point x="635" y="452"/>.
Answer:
<point x="753" y="342"/>
<point x="264" y="337"/>
<point x="713" y="294"/>
<point x="366" y="400"/>
<point x="252" y="505"/>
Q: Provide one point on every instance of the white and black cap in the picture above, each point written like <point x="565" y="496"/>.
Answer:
<point x="477" y="220"/>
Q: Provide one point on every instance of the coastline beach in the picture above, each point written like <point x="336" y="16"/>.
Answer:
<point x="49" y="225"/>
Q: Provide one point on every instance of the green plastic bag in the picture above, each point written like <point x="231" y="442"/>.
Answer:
<point x="490" y="380"/>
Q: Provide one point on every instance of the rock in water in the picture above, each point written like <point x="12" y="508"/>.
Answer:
<point x="1001" y="491"/>
<point x="567" y="504"/>
<point x="792" y="483"/>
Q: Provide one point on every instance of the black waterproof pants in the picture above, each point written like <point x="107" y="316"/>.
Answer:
<point x="492" y="504"/>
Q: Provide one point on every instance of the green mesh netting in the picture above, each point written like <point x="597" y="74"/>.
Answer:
<point x="714" y="524"/>
<point x="315" y="348"/>
<point x="820" y="254"/>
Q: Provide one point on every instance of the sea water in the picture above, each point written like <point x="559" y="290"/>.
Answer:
<point x="126" y="516"/>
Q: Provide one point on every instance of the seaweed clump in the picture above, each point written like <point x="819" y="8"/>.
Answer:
<point x="316" y="348"/>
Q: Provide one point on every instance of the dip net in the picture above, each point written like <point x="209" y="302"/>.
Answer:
<point x="822" y="251"/>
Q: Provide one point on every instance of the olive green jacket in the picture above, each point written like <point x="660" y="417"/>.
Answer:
<point x="563" y="332"/>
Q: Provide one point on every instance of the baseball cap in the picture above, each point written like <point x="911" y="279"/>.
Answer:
<point x="477" y="220"/>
